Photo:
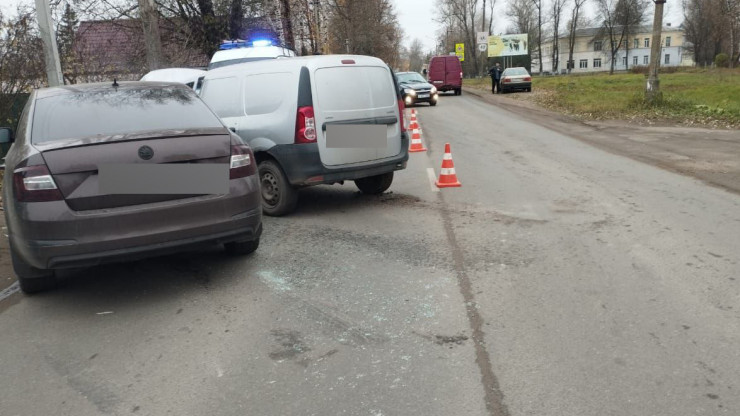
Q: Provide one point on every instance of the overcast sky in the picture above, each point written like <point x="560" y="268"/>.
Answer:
<point x="417" y="17"/>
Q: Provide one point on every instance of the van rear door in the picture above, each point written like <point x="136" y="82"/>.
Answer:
<point x="353" y="94"/>
<point x="437" y="72"/>
<point x="453" y="71"/>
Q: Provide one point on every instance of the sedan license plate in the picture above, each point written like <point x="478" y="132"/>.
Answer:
<point x="423" y="95"/>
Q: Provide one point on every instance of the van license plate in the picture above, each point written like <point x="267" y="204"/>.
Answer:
<point x="423" y="95"/>
<point x="357" y="136"/>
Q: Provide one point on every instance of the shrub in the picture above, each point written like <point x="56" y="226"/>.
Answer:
<point x="722" y="60"/>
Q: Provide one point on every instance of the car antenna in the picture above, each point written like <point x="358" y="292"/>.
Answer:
<point x="115" y="83"/>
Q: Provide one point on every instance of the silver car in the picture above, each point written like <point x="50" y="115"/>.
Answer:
<point x="313" y="120"/>
<point x="516" y="79"/>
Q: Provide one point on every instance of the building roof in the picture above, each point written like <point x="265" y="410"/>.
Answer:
<point x="118" y="46"/>
<point x="595" y="31"/>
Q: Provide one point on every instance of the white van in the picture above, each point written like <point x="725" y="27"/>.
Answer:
<point x="313" y="120"/>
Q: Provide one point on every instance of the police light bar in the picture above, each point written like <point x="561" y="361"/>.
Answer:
<point x="233" y="44"/>
<point x="262" y="42"/>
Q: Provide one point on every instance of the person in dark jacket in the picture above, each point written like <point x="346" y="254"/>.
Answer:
<point x="495" y="73"/>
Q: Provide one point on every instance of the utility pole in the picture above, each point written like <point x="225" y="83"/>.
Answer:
<point x="51" y="52"/>
<point x="652" y="90"/>
<point x="152" y="39"/>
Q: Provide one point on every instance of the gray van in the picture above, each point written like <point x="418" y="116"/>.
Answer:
<point x="313" y="120"/>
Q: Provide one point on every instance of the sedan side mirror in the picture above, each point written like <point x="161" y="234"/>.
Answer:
<point x="6" y="135"/>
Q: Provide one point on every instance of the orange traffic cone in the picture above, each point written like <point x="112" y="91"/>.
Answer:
<point x="447" y="176"/>
<point x="416" y="144"/>
<point x="414" y="123"/>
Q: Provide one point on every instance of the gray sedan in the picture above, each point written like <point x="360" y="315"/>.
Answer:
<point x="516" y="79"/>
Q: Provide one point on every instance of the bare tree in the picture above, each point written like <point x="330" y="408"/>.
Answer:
<point x="21" y="65"/>
<point x="572" y="28"/>
<point x="538" y="7"/>
<point x="152" y="39"/>
<point x="462" y="16"/>
<point x="619" y="19"/>
<point x="521" y="14"/>
<point x="557" y="12"/>
<point x="416" y="55"/>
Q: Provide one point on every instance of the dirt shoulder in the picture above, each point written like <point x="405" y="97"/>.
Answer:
<point x="710" y="155"/>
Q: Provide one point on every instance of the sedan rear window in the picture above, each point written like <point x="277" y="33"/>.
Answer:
<point x="108" y="111"/>
<point x="516" y="71"/>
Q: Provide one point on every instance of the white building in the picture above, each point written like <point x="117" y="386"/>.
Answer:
<point x="592" y="52"/>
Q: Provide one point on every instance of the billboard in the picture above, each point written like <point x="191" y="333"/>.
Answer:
<point x="508" y="45"/>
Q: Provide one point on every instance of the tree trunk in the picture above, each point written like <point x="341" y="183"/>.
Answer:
<point x="287" y="24"/>
<point x="152" y="39"/>
<point x="235" y="19"/>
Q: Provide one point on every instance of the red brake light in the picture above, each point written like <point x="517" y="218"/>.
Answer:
<point x="35" y="184"/>
<point x="528" y="79"/>
<point x="242" y="162"/>
<point x="348" y="61"/>
<point x="305" y="126"/>
<point x="401" y="107"/>
<point x="507" y="79"/>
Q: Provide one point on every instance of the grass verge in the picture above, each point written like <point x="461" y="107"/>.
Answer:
<point x="695" y="96"/>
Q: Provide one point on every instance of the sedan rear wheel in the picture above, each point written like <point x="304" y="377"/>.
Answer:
<point x="31" y="279"/>
<point x="278" y="195"/>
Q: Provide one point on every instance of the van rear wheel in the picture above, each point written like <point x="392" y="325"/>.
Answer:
<point x="279" y="197"/>
<point x="374" y="185"/>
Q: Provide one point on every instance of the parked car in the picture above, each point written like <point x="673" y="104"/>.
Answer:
<point x="415" y="89"/>
<point x="108" y="172"/>
<point x="239" y="51"/>
<point x="187" y="76"/>
<point x="313" y="120"/>
<point x="516" y="79"/>
<point x="445" y="72"/>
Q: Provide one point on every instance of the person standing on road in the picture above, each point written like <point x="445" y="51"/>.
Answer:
<point x="495" y="73"/>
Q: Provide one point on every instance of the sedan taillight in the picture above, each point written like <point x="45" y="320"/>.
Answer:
<point x="528" y="78"/>
<point x="242" y="162"/>
<point x="35" y="184"/>
<point x="507" y="79"/>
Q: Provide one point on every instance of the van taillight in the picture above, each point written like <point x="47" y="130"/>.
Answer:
<point x="35" y="184"/>
<point x="461" y="74"/>
<point x="305" y="126"/>
<point x="401" y="108"/>
<point x="242" y="162"/>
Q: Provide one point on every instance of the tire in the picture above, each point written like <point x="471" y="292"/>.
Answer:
<point x="279" y="197"/>
<point x="374" y="185"/>
<point x="242" y="247"/>
<point x="432" y="103"/>
<point x="529" y="89"/>
<point x="459" y="91"/>
<point x="31" y="279"/>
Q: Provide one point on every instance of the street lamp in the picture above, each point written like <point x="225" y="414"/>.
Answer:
<point x="652" y="90"/>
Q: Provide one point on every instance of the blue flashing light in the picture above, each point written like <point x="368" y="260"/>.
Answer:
<point x="262" y="42"/>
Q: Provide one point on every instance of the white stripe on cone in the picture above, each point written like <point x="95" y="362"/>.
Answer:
<point x="447" y="156"/>
<point x="447" y="171"/>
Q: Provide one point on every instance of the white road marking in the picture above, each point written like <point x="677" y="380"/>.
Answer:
<point x="432" y="180"/>
<point x="9" y="290"/>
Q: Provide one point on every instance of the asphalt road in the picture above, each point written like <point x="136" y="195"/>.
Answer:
<point x="559" y="280"/>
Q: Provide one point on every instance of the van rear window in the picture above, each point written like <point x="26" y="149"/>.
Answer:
<point x="355" y="88"/>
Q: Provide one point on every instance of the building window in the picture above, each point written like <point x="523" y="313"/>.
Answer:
<point x="634" y="60"/>
<point x="645" y="60"/>
<point x="597" y="63"/>
<point x="667" y="41"/>
<point x="583" y="63"/>
<point x="647" y="42"/>
<point x="597" y="46"/>
<point x="667" y="58"/>
<point x="637" y="43"/>
<point x="624" y="62"/>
